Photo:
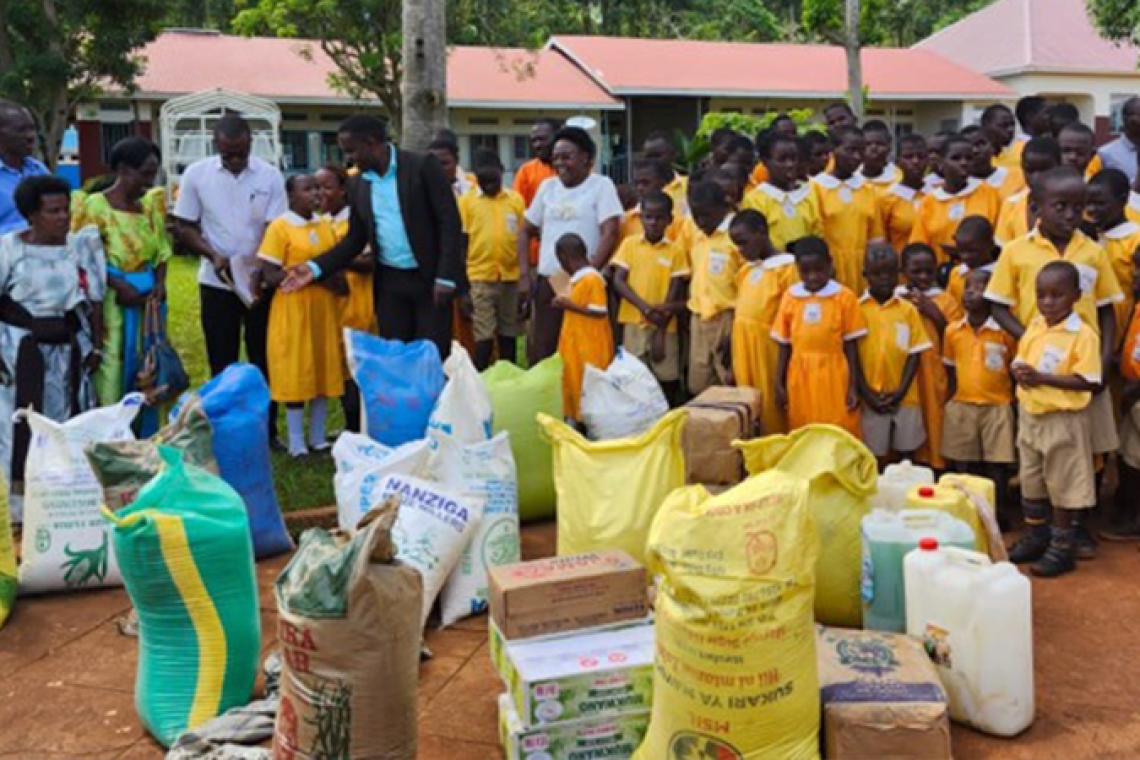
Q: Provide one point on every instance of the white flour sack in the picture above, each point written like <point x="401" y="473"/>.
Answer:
<point x="434" y="527"/>
<point x="485" y="471"/>
<point x="66" y="543"/>
<point x="463" y="411"/>
<point x="362" y="464"/>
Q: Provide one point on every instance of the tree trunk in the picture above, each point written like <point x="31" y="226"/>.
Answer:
<point x="425" y="72"/>
<point x="56" y="106"/>
<point x="854" y="62"/>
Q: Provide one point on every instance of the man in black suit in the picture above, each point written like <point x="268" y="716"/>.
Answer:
<point x="403" y="206"/>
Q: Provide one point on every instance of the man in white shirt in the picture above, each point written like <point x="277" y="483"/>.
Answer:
<point x="224" y="204"/>
<point x="1121" y="152"/>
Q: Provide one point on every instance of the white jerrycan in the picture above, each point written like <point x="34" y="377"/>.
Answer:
<point x="896" y="481"/>
<point x="975" y="620"/>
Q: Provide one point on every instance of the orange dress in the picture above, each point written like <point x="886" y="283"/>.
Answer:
<point x="584" y="340"/>
<point x="760" y="288"/>
<point x="817" y="326"/>
<point x="933" y="383"/>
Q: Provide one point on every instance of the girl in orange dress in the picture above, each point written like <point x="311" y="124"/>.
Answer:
<point x="586" y="335"/>
<point x="817" y="327"/>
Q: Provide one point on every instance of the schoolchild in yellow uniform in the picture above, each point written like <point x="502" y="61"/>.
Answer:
<point x="818" y="326"/>
<point x="899" y="203"/>
<point x="586" y="336"/>
<point x="935" y="153"/>
<point x="1001" y="129"/>
<point x="975" y="248"/>
<point x="651" y="272"/>
<point x="1057" y="369"/>
<point x="782" y="126"/>
<point x="1125" y="525"/>
<point x="492" y="216"/>
<point x="760" y="288"/>
<point x="888" y="361"/>
<point x="733" y="180"/>
<point x="937" y="309"/>
<point x="1007" y="182"/>
<point x="649" y="177"/>
<point x="1017" y="217"/>
<point x="979" y="434"/>
<point x="659" y="146"/>
<point x="1107" y="197"/>
<point x="712" y="293"/>
<point x="788" y="205"/>
<point x="1078" y="149"/>
<point x="306" y="354"/>
<point x="877" y="168"/>
<point x="959" y="196"/>
<point x="848" y="209"/>
<point x="742" y="154"/>
<point x="815" y="155"/>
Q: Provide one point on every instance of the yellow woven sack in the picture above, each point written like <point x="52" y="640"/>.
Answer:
<point x="609" y="491"/>
<point x="843" y="475"/>
<point x="735" y="668"/>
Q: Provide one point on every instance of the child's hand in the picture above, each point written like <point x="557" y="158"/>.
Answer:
<point x="1026" y="376"/>
<point x="560" y="302"/>
<point x="782" y="396"/>
<point x="657" y="316"/>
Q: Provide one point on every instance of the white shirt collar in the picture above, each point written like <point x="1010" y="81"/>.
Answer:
<point x="795" y="195"/>
<point x="778" y="260"/>
<point x="1122" y="231"/>
<point x="583" y="272"/>
<point x="252" y="166"/>
<point x="965" y="270"/>
<point x="831" y="182"/>
<point x="888" y="176"/>
<point x="1072" y="322"/>
<point x="868" y="297"/>
<point x="1134" y="200"/>
<point x="989" y="324"/>
<point x="972" y="184"/>
<point x="998" y="178"/>
<point x="342" y="215"/>
<point x="931" y="181"/>
<point x="905" y="192"/>
<point x="296" y="219"/>
<point x="799" y="290"/>
<point x="901" y="290"/>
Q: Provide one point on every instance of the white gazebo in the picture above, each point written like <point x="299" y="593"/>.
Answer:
<point x="187" y="128"/>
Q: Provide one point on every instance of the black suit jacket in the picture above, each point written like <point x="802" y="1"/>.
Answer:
<point x="431" y="219"/>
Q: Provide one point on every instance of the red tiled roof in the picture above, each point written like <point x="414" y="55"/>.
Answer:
<point x="1014" y="36"/>
<point x="180" y="62"/>
<point x="683" y="67"/>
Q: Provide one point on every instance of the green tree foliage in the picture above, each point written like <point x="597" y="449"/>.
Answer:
<point x="55" y="53"/>
<point x="1116" y="19"/>
<point x="200" y="14"/>
<point x="899" y="23"/>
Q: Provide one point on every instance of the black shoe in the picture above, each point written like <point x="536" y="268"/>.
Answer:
<point x="1031" y="546"/>
<point x="1056" y="561"/>
<point x="1129" y="531"/>
<point x="275" y="444"/>
<point x="1085" y="544"/>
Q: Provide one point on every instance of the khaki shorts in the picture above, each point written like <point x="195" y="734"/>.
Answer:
<point x="901" y="432"/>
<point x="1130" y="438"/>
<point x="979" y="433"/>
<point x="1102" y="422"/>
<point x="708" y="364"/>
<point x="1056" y="459"/>
<point x="496" y="306"/>
<point x="638" y="342"/>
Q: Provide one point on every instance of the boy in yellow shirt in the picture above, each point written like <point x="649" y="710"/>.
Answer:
<point x="788" y="205"/>
<point x="491" y="218"/>
<point x="978" y="435"/>
<point x="1017" y="217"/>
<point x="1107" y="198"/>
<point x="878" y="169"/>
<point x="899" y="204"/>
<point x="650" y="274"/>
<point x="975" y="248"/>
<point x="959" y="196"/>
<point x="888" y="361"/>
<point x="712" y="295"/>
<point x="649" y="177"/>
<point x="1057" y="369"/>
<point x="848" y="209"/>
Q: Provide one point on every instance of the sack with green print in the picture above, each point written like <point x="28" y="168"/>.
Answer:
<point x="186" y="557"/>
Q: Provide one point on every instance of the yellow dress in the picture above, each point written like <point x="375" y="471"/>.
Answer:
<point x="584" y="340"/>
<point x="932" y="381"/>
<point x="849" y="215"/>
<point x="306" y="358"/>
<point x="1013" y="220"/>
<point x="791" y="214"/>
<point x="817" y="327"/>
<point x="898" y="206"/>
<point x="359" y="312"/>
<point x="941" y="212"/>
<point x="1007" y="180"/>
<point x="761" y="287"/>
<point x="1121" y="243"/>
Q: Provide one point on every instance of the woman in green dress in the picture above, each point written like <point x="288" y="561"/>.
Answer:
<point x="131" y="217"/>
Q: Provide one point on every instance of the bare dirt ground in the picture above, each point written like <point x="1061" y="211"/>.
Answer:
<point x="67" y="683"/>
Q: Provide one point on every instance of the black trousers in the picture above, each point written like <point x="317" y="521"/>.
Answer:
<point x="406" y="309"/>
<point x="224" y="319"/>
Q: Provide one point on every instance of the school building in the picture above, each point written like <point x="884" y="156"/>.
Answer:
<point x="624" y="87"/>
<point x="1048" y="48"/>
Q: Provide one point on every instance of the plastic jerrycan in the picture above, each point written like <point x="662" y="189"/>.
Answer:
<point x="895" y="483"/>
<point x="953" y="502"/>
<point x="887" y="538"/>
<point x="975" y="620"/>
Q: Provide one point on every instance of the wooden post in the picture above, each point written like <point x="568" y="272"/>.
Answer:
<point x="424" y="87"/>
<point x="854" y="63"/>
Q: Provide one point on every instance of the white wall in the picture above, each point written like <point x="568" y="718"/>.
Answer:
<point x="1092" y="94"/>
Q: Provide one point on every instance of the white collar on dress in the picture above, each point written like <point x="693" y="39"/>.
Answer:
<point x="902" y="291"/>
<point x="868" y="297"/>
<point x="998" y="178"/>
<point x="831" y="182"/>
<point x="965" y="270"/>
<point x="342" y="215"/>
<point x="989" y="324"/>
<point x="972" y="184"/>
<point x="1072" y="322"/>
<point x="583" y="272"/>
<point x="1121" y="231"/>
<point x="1018" y="196"/>
<point x="905" y="192"/>
<point x="1134" y="200"/>
<point x="890" y="171"/>
<point x="795" y="195"/>
<point x="931" y="181"/>
<point x="295" y="219"/>
<point x="778" y="260"/>
<point x="799" y="290"/>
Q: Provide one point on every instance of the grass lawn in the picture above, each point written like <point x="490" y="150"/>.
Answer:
<point x="300" y="485"/>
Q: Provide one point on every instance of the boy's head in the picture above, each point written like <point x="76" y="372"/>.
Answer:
<point x="982" y="155"/>
<point x="1060" y="116"/>
<point x="1059" y="196"/>
<point x="658" y="146"/>
<point x="849" y="149"/>
<point x="733" y="179"/>
<point x="813" y="260"/>
<point x="936" y="150"/>
<point x="709" y="206"/>
<point x="881" y="270"/>
<point x="783" y="161"/>
<point x="839" y="117"/>
<point x="815" y="153"/>
<point x="1058" y="290"/>
<point x="749" y="233"/>
<point x="999" y="125"/>
<point x="920" y="266"/>
<point x="1038" y="156"/>
<point x="572" y="253"/>
<point x="877" y="153"/>
<point x="742" y="151"/>
<point x="974" y="241"/>
<point x="784" y="125"/>
<point x="1032" y="114"/>
<point x="488" y="171"/>
<point x="656" y="215"/>
<point x="447" y="153"/>
<point x="1106" y="198"/>
<point x="912" y="158"/>
<point x="1078" y="145"/>
<point x="974" y="292"/>
<point x="719" y="142"/>
<point x="649" y="175"/>
<point x="956" y="161"/>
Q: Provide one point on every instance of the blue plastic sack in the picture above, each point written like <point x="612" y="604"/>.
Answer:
<point x="237" y="403"/>
<point x="399" y="385"/>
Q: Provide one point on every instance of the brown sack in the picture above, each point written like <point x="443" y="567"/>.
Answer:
<point x="349" y="628"/>
<point x="881" y="697"/>
<point x="718" y="417"/>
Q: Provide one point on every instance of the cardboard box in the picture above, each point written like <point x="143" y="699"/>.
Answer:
<point x="567" y="593"/>
<point x="585" y="675"/>
<point x="602" y="736"/>
<point x="718" y="417"/>
<point x="497" y="645"/>
<point x="881" y="697"/>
